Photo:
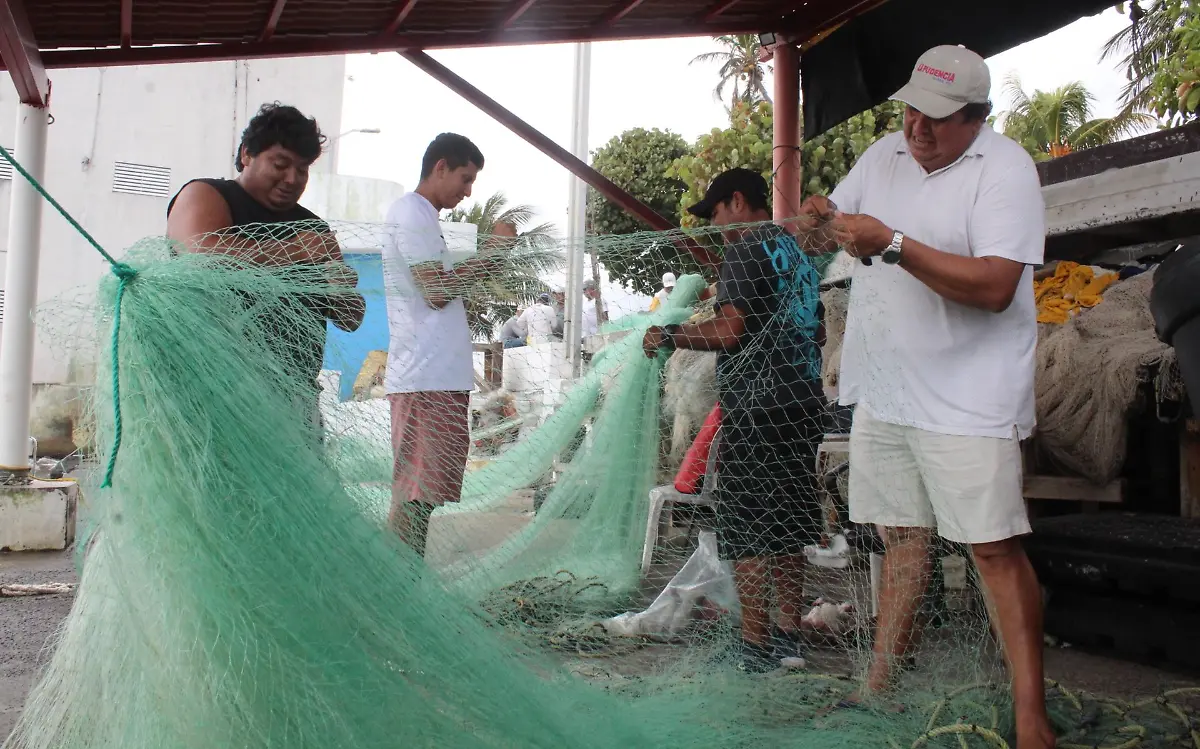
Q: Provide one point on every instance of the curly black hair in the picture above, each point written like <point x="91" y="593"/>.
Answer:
<point x="282" y="125"/>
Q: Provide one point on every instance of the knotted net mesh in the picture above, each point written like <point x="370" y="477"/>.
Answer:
<point x="262" y="573"/>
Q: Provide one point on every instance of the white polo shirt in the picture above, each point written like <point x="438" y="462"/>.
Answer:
<point x="912" y="357"/>
<point x="429" y="349"/>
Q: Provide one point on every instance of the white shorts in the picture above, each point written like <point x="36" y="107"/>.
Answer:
<point x="968" y="488"/>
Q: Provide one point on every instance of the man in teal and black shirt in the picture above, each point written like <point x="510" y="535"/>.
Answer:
<point x="767" y="331"/>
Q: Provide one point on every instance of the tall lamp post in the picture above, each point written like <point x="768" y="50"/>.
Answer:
<point x="335" y="152"/>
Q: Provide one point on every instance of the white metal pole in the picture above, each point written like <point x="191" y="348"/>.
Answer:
<point x="577" y="211"/>
<point x="20" y="290"/>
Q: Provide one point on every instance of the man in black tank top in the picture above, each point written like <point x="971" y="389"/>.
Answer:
<point x="257" y="218"/>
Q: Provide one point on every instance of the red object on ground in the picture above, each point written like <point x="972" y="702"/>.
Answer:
<point x="695" y="462"/>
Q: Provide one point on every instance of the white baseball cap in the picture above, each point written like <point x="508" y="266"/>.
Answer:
<point x="668" y="280"/>
<point x="946" y="79"/>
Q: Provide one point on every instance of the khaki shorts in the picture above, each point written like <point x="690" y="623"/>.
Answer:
<point x="968" y="488"/>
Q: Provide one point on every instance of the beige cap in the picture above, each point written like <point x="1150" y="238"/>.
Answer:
<point x="945" y="80"/>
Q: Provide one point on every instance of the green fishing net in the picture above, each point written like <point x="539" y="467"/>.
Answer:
<point x="240" y="587"/>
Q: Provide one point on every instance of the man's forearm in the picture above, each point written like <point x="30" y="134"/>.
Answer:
<point x="969" y="281"/>
<point x="269" y="252"/>
<point x="711" y="335"/>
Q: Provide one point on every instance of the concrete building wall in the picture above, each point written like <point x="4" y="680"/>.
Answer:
<point x="183" y="120"/>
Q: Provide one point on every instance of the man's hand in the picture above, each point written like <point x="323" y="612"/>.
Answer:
<point x="818" y="207"/>
<point x="503" y="238"/>
<point x="653" y="341"/>
<point x="340" y="274"/>
<point x="812" y="228"/>
<point x="314" y="247"/>
<point x="861" y="235"/>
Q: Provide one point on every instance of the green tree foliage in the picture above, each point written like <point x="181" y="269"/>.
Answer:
<point x="747" y="142"/>
<point x="1161" y="56"/>
<point x="829" y="156"/>
<point x="1054" y="123"/>
<point x="636" y="161"/>
<point x="741" y="67"/>
<point x="531" y="254"/>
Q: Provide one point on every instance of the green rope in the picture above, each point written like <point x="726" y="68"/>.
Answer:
<point x="125" y="274"/>
<point x="62" y="211"/>
<point x="121" y="271"/>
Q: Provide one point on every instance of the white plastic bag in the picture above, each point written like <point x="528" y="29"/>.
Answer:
<point x="702" y="588"/>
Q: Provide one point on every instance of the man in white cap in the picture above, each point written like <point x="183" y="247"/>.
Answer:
<point x="668" y="282"/>
<point x="938" y="358"/>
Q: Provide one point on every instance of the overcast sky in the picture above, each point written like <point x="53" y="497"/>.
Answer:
<point x="634" y="84"/>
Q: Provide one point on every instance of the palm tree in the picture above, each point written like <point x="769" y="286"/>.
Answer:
<point x="1054" y="123"/>
<point x="534" y="252"/>
<point x="1141" y="46"/>
<point x="741" y="66"/>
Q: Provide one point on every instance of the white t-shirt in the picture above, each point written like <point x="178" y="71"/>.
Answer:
<point x="591" y="323"/>
<point x="912" y="357"/>
<point x="539" y="322"/>
<point x="430" y="349"/>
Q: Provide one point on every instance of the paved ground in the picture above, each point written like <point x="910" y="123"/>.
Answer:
<point x="27" y="623"/>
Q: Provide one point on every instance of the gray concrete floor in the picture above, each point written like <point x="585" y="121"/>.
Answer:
<point x="27" y="623"/>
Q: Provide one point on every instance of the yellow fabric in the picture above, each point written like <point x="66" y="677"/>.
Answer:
<point x="654" y="303"/>
<point x="1071" y="288"/>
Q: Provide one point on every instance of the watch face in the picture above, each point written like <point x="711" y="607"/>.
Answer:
<point x="890" y="256"/>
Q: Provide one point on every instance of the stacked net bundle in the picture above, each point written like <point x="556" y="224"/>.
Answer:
<point x="1090" y="370"/>
<point x="244" y="583"/>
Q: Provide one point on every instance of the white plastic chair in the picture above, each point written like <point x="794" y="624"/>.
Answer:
<point x="663" y="498"/>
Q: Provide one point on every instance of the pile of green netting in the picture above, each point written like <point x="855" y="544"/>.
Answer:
<point x="239" y="588"/>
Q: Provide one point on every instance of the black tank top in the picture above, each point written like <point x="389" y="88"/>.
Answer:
<point x="294" y="325"/>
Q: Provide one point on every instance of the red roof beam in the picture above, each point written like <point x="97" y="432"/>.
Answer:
<point x="126" y="23"/>
<point x="402" y="12"/>
<point x="619" y="12"/>
<point x="272" y="21"/>
<point x="344" y="45"/>
<point x="515" y="11"/>
<point x="19" y="50"/>
<point x="717" y="9"/>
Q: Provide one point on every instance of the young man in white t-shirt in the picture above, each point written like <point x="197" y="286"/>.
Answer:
<point x="430" y="374"/>
<point x="938" y="358"/>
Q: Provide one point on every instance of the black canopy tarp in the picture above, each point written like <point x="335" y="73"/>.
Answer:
<point x="868" y="59"/>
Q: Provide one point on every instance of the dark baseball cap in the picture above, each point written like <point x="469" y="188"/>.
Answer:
<point x="748" y="182"/>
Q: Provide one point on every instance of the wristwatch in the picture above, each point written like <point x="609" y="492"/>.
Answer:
<point x="891" y="253"/>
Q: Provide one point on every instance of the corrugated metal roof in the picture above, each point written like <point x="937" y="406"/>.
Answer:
<point x="90" y="32"/>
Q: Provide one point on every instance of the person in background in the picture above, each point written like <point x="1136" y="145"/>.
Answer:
<point x="430" y="373"/>
<point x="668" y="283"/>
<point x="592" y="320"/>
<point x="538" y="320"/>
<point x="257" y="218"/>
<point x="954" y="211"/>
<point x="767" y="331"/>
<point x="512" y="332"/>
<point x="558" y="300"/>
